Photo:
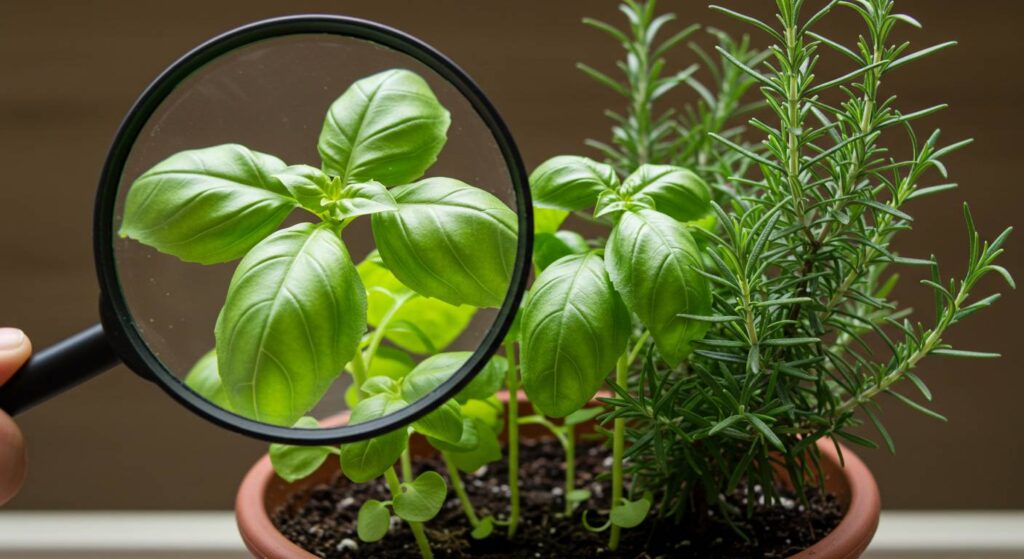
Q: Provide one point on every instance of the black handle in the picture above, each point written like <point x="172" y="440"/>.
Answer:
<point x="57" y="368"/>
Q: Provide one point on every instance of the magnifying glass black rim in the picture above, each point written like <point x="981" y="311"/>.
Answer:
<point x="118" y="322"/>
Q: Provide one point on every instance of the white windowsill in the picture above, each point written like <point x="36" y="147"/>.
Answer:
<point x="212" y="535"/>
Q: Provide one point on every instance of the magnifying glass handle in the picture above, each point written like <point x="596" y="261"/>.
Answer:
<point x="57" y="368"/>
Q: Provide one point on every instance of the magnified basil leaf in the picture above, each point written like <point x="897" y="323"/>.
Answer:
<point x="379" y="385"/>
<point x="653" y="262"/>
<point x="207" y="205"/>
<point x="390" y="362"/>
<point x="293" y="463"/>
<point x="445" y="422"/>
<point x="294" y="312"/>
<point x="574" y="328"/>
<point x="677" y="192"/>
<point x="364" y="460"/>
<point x="388" y="127"/>
<point x="569" y="182"/>
<point x="613" y="203"/>
<point x="549" y="247"/>
<point x="449" y="240"/>
<point x="421" y="325"/>
<point x="205" y="380"/>
<point x="308" y="185"/>
<point x="487" y="449"/>
<point x="546" y="220"/>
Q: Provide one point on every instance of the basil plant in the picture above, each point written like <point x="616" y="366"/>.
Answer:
<point x="297" y="309"/>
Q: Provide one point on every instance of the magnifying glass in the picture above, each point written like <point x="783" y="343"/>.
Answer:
<point x="301" y="216"/>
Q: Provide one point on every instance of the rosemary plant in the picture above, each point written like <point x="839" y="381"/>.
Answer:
<point x="803" y="341"/>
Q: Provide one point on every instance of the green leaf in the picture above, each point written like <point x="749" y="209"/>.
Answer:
<point x="449" y="240"/>
<point x="329" y="198"/>
<point x="569" y="182"/>
<point x="361" y="198"/>
<point x="578" y="496"/>
<point x="421" y="499"/>
<point x="546" y="220"/>
<point x="364" y="460"/>
<point x="655" y="265"/>
<point x="207" y="205"/>
<point x="445" y="422"/>
<point x="294" y="313"/>
<point x="390" y="362"/>
<point x="677" y="192"/>
<point x="373" y="521"/>
<point x="467" y="442"/>
<point x="380" y="385"/>
<point x="487" y="449"/>
<point x="489" y="411"/>
<point x="204" y="380"/>
<point x="296" y="462"/>
<point x="487" y="382"/>
<point x="437" y="323"/>
<point x="583" y="415"/>
<point x="630" y="514"/>
<point x="388" y="127"/>
<point x="574" y="328"/>
<point x="549" y="247"/>
<point x="483" y="529"/>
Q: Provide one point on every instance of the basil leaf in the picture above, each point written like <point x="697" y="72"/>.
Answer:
<point x="437" y="323"/>
<point x="655" y="265"/>
<point x="329" y="198"/>
<point x="569" y="182"/>
<point x="630" y="514"/>
<point x="487" y="449"/>
<point x="294" y="313"/>
<point x="445" y="422"/>
<point x="373" y="521"/>
<point x="676" y="192"/>
<point x="574" y="328"/>
<point x="204" y="380"/>
<point x="388" y="127"/>
<point x="364" y="460"/>
<point x="548" y="247"/>
<point x="293" y="463"/>
<point x="379" y="385"/>
<point x="436" y="369"/>
<point x="449" y="240"/>
<point x="487" y="382"/>
<point x="361" y="198"/>
<point x="421" y="499"/>
<point x="483" y="529"/>
<point x="308" y="185"/>
<point x="467" y="442"/>
<point x="390" y="362"/>
<point x="546" y="220"/>
<point x="207" y="205"/>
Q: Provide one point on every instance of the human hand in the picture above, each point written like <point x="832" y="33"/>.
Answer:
<point x="15" y="348"/>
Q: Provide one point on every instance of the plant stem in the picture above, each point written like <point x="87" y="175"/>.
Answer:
<point x="382" y="327"/>
<point x="460" y="490"/>
<point x="395" y="487"/>
<point x="512" y="380"/>
<point x="618" y="449"/>
<point x="570" y="466"/>
<point x="406" y="465"/>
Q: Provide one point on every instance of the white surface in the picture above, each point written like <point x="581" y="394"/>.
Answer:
<point x="212" y="535"/>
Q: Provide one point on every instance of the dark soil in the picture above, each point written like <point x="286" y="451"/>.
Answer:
<point x="322" y="520"/>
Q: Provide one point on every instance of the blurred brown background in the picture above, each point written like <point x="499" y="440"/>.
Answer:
<point x="70" y="70"/>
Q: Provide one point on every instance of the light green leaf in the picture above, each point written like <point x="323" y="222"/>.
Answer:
<point x="296" y="462"/>
<point x="583" y="415"/>
<point x="546" y="220"/>
<point x="380" y="385"/>
<point x="574" y="328"/>
<point x="445" y="422"/>
<point x="373" y="521"/>
<point x="364" y="460"/>
<point x="629" y="514"/>
<point x="654" y="263"/>
<point x="549" y="247"/>
<point x="487" y="382"/>
<point x="422" y="499"/>
<point x="204" y="380"/>
<point x="487" y="449"/>
<point x="613" y="203"/>
<point x="436" y="321"/>
<point x="308" y="185"/>
<point x="467" y="442"/>
<point x="390" y="362"/>
<point x="569" y="182"/>
<point x="483" y="529"/>
<point x="578" y="496"/>
<point x="388" y="127"/>
<point x="294" y="313"/>
<point x="449" y="240"/>
<point x="207" y="205"/>
<point x="488" y="411"/>
<point x="677" y="192"/>
<point x="329" y="198"/>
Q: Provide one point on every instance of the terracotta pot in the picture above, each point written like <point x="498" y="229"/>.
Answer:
<point x="262" y="491"/>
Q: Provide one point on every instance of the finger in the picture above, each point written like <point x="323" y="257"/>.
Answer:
<point x="12" y="458"/>
<point x="15" y="348"/>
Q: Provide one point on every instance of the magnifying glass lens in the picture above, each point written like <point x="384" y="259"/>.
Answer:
<point x="314" y="223"/>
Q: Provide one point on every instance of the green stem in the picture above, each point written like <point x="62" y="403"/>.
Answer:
<point x="618" y="450"/>
<point x="395" y="487"/>
<point x="570" y="466"/>
<point x="382" y="327"/>
<point x="513" y="438"/>
<point x="460" y="490"/>
<point x="358" y="371"/>
<point x="406" y="465"/>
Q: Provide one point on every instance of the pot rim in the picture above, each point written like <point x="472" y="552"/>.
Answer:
<point x="847" y="540"/>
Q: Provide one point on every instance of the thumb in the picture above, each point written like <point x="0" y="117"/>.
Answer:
<point x="15" y="348"/>
<point x="14" y="351"/>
